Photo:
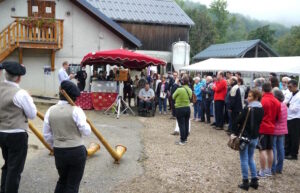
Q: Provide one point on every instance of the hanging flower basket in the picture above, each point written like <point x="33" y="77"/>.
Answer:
<point x="37" y="22"/>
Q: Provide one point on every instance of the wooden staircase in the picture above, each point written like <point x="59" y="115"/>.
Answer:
<point x="30" y="33"/>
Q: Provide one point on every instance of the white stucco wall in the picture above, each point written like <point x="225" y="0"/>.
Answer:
<point x="82" y="34"/>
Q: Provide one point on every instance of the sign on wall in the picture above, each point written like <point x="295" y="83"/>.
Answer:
<point x="47" y="70"/>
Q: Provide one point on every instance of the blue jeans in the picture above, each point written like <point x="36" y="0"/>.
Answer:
<point x="197" y="109"/>
<point x="278" y="151"/>
<point x="247" y="159"/>
<point x="162" y="102"/>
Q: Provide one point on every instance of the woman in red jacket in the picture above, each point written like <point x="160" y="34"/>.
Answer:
<point x="220" y="90"/>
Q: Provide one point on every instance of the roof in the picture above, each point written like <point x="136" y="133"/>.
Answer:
<point x="102" y="18"/>
<point x="143" y="11"/>
<point x="231" y="50"/>
<point x="121" y="57"/>
<point x="278" y="65"/>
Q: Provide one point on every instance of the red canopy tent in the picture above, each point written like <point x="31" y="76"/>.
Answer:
<point x="121" y="57"/>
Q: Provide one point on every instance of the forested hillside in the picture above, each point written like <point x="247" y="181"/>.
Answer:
<point x="217" y="25"/>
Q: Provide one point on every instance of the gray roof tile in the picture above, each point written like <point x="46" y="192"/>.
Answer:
<point x="109" y="22"/>
<point x="143" y="11"/>
<point x="230" y="50"/>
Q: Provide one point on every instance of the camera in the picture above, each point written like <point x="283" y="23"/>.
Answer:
<point x="245" y="139"/>
<point x="243" y="142"/>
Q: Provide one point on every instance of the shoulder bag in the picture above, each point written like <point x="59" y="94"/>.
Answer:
<point x="194" y="98"/>
<point x="191" y="98"/>
<point x="236" y="142"/>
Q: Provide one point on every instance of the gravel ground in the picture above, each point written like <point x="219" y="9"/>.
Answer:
<point x="205" y="164"/>
<point x="153" y="163"/>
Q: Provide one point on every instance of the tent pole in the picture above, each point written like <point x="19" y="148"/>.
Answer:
<point x="252" y="77"/>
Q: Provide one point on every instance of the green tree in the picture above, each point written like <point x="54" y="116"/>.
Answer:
<point x="264" y="33"/>
<point x="180" y="3"/>
<point x="237" y="30"/>
<point x="289" y="44"/>
<point x="217" y="25"/>
<point x="218" y="9"/>
<point x="203" y="33"/>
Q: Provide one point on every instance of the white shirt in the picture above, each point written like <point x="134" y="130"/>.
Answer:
<point x="78" y="117"/>
<point x="24" y="101"/>
<point x="156" y="85"/>
<point x="146" y="94"/>
<point x="294" y="108"/>
<point x="242" y="92"/>
<point x="287" y="95"/>
<point x="63" y="75"/>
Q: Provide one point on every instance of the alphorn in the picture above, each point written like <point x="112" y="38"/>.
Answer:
<point x="40" y="137"/>
<point x="115" y="153"/>
<point x="93" y="147"/>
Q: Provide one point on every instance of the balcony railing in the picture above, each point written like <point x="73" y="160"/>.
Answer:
<point x="38" y="33"/>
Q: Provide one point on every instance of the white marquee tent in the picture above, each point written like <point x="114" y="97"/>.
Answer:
<point x="279" y="65"/>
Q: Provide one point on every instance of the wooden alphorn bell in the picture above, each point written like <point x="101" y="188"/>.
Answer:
<point x="115" y="153"/>
<point x="93" y="147"/>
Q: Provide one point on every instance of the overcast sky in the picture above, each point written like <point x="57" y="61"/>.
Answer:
<point x="286" y="12"/>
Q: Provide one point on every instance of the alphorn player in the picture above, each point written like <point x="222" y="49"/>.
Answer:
<point x="16" y="106"/>
<point x="64" y="126"/>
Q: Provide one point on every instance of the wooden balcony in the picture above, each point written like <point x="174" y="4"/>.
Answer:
<point x="36" y="33"/>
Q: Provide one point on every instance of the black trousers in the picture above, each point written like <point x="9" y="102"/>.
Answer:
<point x="207" y="104"/>
<point x="172" y="104"/>
<point x="145" y="104"/>
<point x="183" y="117"/>
<point x="81" y="85"/>
<point x="127" y="94"/>
<point x="233" y="118"/>
<point x="204" y="111"/>
<point x="219" y="113"/>
<point x="292" y="138"/>
<point x="226" y="115"/>
<point x="14" y="151"/>
<point x="170" y="100"/>
<point x="70" y="163"/>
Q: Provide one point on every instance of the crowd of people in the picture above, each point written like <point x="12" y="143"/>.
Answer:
<point x="266" y="116"/>
<point x="270" y="111"/>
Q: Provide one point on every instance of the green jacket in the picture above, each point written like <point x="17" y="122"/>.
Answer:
<point x="182" y="96"/>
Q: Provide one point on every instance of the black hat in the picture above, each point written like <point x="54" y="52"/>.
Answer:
<point x="71" y="89"/>
<point x="14" y="68"/>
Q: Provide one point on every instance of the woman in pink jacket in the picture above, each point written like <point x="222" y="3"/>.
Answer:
<point x="279" y="133"/>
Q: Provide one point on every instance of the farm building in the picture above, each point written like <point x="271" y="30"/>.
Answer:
<point x="242" y="49"/>
<point x="42" y="34"/>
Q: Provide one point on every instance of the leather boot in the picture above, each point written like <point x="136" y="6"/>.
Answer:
<point x="254" y="183"/>
<point x="244" y="185"/>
